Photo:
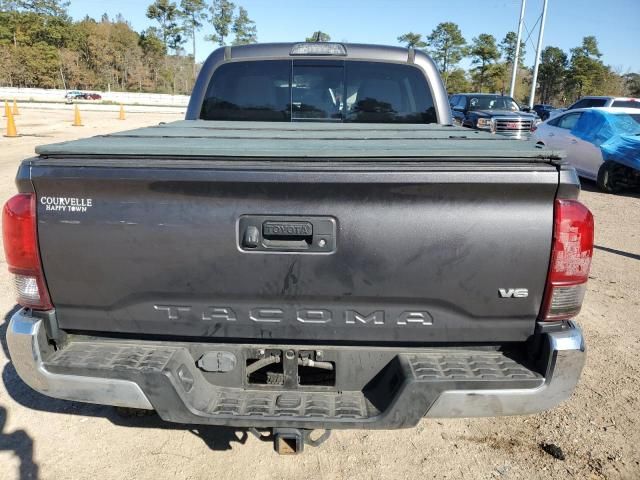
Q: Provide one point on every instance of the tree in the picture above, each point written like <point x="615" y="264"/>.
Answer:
<point x="318" y="36"/>
<point x="484" y="53"/>
<point x="447" y="47"/>
<point x="551" y="74"/>
<point x="632" y="84"/>
<point x="244" y="29"/>
<point x="193" y="13"/>
<point x="153" y="51"/>
<point x="586" y="74"/>
<point x="497" y="78"/>
<point x="52" y="8"/>
<point x="38" y="50"/>
<point x="588" y="48"/>
<point x="458" y="81"/>
<point x="221" y="19"/>
<point x="166" y="13"/>
<point x="412" y="40"/>
<point x="508" y="49"/>
<point x="38" y="9"/>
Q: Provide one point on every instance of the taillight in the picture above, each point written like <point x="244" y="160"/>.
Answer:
<point x="535" y="124"/>
<point x="570" y="260"/>
<point x="19" y="234"/>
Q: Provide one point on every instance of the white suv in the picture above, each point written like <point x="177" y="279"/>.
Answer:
<point x="589" y="102"/>
<point x="599" y="101"/>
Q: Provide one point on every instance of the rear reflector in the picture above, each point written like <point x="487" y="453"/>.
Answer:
<point x="570" y="260"/>
<point x="19" y="234"/>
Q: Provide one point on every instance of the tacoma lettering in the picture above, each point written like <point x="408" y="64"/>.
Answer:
<point x="318" y="316"/>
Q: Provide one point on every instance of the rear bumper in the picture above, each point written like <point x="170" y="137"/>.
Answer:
<point x="413" y="383"/>
<point x="27" y="343"/>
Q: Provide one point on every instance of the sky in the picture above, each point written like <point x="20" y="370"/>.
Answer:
<point x="613" y="22"/>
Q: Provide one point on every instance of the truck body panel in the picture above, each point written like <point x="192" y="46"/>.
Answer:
<point x="419" y="252"/>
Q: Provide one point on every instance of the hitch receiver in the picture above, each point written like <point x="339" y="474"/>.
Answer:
<point x="288" y="441"/>
<point x="291" y="441"/>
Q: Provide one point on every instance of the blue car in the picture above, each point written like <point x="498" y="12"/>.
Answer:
<point x="603" y="144"/>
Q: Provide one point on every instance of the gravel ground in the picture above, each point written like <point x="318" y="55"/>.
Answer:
<point x="597" y="430"/>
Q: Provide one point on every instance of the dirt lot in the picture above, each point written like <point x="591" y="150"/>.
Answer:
<point x="598" y="430"/>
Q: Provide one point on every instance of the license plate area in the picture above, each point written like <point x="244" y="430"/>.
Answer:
<point x="289" y="368"/>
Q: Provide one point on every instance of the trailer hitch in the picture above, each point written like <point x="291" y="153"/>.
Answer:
<point x="291" y="441"/>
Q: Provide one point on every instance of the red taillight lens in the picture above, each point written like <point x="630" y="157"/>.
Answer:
<point x="570" y="260"/>
<point x="20" y="239"/>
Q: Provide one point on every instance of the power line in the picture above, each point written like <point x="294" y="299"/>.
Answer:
<point x="530" y="32"/>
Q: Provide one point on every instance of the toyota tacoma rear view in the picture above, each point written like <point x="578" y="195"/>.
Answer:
<point x="315" y="246"/>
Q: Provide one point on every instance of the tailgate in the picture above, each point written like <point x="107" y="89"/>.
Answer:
<point x="399" y="252"/>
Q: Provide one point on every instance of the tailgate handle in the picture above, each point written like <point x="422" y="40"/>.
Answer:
<point x="287" y="234"/>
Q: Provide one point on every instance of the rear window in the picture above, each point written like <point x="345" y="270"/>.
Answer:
<point x="589" y="103"/>
<point x="626" y="103"/>
<point x="318" y="90"/>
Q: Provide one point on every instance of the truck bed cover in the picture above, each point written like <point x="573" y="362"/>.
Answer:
<point x="212" y="139"/>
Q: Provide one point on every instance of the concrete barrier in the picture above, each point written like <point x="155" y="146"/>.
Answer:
<point x="128" y="98"/>
<point x="101" y="107"/>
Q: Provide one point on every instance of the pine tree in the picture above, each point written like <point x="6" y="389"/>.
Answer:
<point x="244" y="29"/>
<point x="447" y="47"/>
<point x="193" y="14"/>
<point x="221" y="18"/>
<point x="318" y="36"/>
<point x="412" y="40"/>
<point x="166" y="13"/>
<point x="484" y="53"/>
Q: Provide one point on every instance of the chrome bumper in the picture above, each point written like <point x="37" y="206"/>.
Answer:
<point x="561" y="361"/>
<point x="27" y="341"/>
<point x="563" y="358"/>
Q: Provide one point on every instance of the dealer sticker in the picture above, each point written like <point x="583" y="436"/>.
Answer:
<point x="66" y="204"/>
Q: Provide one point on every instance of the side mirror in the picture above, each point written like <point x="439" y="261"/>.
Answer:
<point x="525" y="108"/>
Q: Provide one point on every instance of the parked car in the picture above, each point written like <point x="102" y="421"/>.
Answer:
<point x="493" y="113"/>
<point x="599" y="101"/>
<point x="78" y="95"/>
<point x="604" y="101"/>
<point x="543" y="110"/>
<point x="314" y="247"/>
<point x="603" y="144"/>
<point x="73" y="95"/>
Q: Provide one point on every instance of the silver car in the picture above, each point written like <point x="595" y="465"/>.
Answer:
<point x="602" y="144"/>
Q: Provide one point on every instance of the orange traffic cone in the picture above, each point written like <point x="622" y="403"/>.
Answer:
<point x="15" y="110"/>
<point x="11" y="126"/>
<point x="122" y="116"/>
<point x="7" y="110"/>
<point x="77" y="121"/>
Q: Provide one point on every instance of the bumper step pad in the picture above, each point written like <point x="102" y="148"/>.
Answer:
<point x="398" y="396"/>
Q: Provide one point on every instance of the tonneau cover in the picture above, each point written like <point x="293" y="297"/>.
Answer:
<point x="212" y="139"/>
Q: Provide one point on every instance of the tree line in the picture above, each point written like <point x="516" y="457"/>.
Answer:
<point x="41" y="46"/>
<point x="562" y="77"/>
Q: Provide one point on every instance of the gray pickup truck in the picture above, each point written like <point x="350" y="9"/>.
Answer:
<point x="314" y="247"/>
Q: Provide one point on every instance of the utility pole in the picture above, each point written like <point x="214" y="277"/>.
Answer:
<point x="534" y="80"/>
<point x="512" y="90"/>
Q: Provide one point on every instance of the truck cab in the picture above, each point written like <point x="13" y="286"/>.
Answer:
<point x="493" y="113"/>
